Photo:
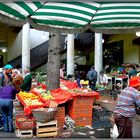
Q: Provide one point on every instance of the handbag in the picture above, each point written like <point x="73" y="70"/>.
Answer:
<point x="114" y="132"/>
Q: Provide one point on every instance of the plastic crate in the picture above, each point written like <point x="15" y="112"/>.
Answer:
<point x="100" y="118"/>
<point x="101" y="114"/>
<point x="101" y="124"/>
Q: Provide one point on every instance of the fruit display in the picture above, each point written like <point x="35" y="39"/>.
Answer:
<point x="43" y="93"/>
<point x="39" y="90"/>
<point x="47" y="96"/>
<point x="79" y="90"/>
<point x="30" y="99"/>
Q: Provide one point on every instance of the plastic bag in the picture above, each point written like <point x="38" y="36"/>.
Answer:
<point x="114" y="132"/>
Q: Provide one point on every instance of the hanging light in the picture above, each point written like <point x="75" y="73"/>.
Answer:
<point x="137" y="33"/>
<point x="4" y="50"/>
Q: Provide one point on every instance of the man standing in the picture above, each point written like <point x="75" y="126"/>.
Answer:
<point x="125" y="108"/>
<point x="92" y="77"/>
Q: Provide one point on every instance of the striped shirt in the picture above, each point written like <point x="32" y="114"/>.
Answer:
<point x="126" y="102"/>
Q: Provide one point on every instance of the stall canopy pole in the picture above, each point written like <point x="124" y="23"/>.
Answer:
<point x="98" y="60"/>
<point x="70" y="54"/>
<point x="25" y="47"/>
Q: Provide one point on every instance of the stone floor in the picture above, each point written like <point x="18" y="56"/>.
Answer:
<point x="85" y="132"/>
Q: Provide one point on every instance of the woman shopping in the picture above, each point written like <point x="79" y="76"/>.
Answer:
<point x="7" y="95"/>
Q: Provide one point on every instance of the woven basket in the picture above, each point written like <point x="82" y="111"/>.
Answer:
<point x="108" y="105"/>
<point x="42" y="115"/>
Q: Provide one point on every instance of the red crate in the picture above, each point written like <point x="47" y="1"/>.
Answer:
<point x="60" y="117"/>
<point x="80" y="110"/>
<point x="24" y="122"/>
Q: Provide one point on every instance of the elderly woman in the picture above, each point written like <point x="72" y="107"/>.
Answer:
<point x="7" y="95"/>
<point x="17" y="79"/>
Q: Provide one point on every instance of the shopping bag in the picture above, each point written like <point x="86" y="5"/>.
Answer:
<point x="114" y="132"/>
<point x="112" y="119"/>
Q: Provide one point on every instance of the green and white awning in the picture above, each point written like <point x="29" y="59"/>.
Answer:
<point x="103" y="17"/>
<point x="117" y="16"/>
<point x="65" y="14"/>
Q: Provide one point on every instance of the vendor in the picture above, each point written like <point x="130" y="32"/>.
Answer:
<point x="132" y="71"/>
<point x="103" y="80"/>
<point x="27" y="82"/>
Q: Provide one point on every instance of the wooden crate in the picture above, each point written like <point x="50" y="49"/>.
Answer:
<point x="24" y="133"/>
<point x="48" y="129"/>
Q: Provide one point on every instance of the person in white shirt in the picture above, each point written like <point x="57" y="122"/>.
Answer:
<point x="103" y="80"/>
<point x="62" y="67"/>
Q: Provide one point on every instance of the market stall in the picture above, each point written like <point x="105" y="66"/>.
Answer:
<point x="80" y="103"/>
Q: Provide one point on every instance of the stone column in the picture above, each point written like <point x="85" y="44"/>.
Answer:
<point x="70" y="54"/>
<point x="25" y="46"/>
<point x="98" y="57"/>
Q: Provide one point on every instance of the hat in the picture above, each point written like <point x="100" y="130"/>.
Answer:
<point x="134" y="81"/>
<point x="8" y="66"/>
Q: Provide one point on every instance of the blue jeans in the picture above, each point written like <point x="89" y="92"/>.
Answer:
<point x="78" y="82"/>
<point x="6" y="106"/>
<point x="1" y="120"/>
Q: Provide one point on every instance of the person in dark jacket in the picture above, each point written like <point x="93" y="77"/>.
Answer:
<point x="7" y="95"/>
<point x="27" y="82"/>
<point x="92" y="76"/>
<point x="77" y="75"/>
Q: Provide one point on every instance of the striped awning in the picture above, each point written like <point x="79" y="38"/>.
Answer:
<point x="79" y="15"/>
<point x="117" y="16"/>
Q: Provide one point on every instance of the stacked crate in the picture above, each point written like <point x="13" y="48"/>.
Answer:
<point x="80" y="110"/>
<point x="48" y="129"/>
<point x="17" y="108"/>
<point x="24" y="125"/>
<point x="60" y="117"/>
<point x="24" y="133"/>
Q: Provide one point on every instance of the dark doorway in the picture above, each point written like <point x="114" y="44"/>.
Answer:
<point x="1" y="61"/>
<point x="113" y="53"/>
